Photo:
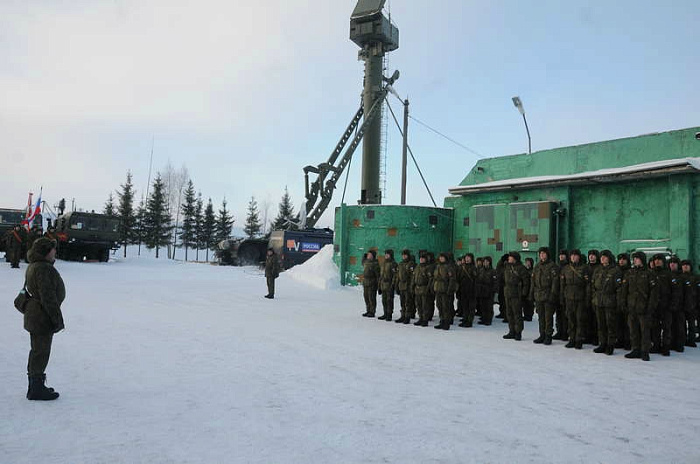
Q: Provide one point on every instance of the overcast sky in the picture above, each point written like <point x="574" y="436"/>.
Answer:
<point x="247" y="93"/>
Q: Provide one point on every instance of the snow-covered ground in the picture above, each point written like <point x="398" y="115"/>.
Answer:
<point x="167" y="362"/>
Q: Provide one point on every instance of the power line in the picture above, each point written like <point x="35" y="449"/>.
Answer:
<point x="461" y="145"/>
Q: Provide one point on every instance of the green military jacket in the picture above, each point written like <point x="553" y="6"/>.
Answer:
<point x="43" y="314"/>
<point x="387" y="275"/>
<point x="516" y="281"/>
<point x="676" y="302"/>
<point x="545" y="283"/>
<point x="466" y="278"/>
<point x="444" y="278"/>
<point x="422" y="279"/>
<point x="663" y="277"/>
<point x="404" y="275"/>
<point x="486" y="282"/>
<point x="690" y="285"/>
<point x="272" y="267"/>
<point x="621" y="303"/>
<point x="607" y="280"/>
<point x="370" y="274"/>
<point x="641" y="291"/>
<point x="575" y="283"/>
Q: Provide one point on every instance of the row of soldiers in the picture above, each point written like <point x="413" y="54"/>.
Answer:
<point x="610" y="303"/>
<point x="18" y="241"/>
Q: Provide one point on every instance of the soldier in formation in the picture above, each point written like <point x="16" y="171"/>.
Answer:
<point x="642" y="308"/>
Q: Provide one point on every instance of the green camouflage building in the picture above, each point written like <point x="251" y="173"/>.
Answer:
<point x="637" y="193"/>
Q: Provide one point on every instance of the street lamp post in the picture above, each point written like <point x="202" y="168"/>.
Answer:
<point x="519" y="105"/>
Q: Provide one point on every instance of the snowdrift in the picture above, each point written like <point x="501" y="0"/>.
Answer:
<point x="319" y="272"/>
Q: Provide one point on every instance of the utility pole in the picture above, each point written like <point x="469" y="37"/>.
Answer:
<point x="404" y="160"/>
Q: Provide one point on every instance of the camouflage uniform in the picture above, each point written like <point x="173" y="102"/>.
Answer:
<point x="690" y="285"/>
<point x="640" y="291"/>
<point x="659" y="315"/>
<point x="486" y="287"/>
<point x="623" y="328"/>
<point x="467" y="291"/>
<point x="516" y="288"/>
<point x="404" y="278"/>
<point x="444" y="286"/>
<point x="562" y="323"/>
<point x="370" y="284"/>
<point x="422" y="283"/>
<point x="606" y="282"/>
<point x="592" y="327"/>
<point x="16" y="243"/>
<point x="272" y="271"/>
<point x="575" y="293"/>
<point x="431" y="292"/>
<point x="674" y="322"/>
<point x="387" y="277"/>
<point x="544" y="291"/>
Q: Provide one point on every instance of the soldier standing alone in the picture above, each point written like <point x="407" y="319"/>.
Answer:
<point x="272" y="271"/>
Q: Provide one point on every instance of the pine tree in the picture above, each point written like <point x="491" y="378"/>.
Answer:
<point x="224" y="223"/>
<point x="127" y="215"/>
<point x="285" y="218"/>
<point x="157" y="222"/>
<point x="198" y="222"/>
<point x="252" y="221"/>
<point x="208" y="228"/>
<point x="139" y="230"/>
<point x="109" y="206"/>
<point x="188" y="210"/>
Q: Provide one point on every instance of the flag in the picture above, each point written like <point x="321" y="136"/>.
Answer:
<point x="25" y="221"/>
<point x="35" y="212"/>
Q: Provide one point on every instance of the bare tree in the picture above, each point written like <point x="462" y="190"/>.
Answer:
<point x="175" y="181"/>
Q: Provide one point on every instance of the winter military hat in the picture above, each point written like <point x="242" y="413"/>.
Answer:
<point x="687" y="262"/>
<point x="624" y="256"/>
<point x="609" y="254"/>
<point x="640" y="255"/>
<point x="575" y="251"/>
<point x="42" y="246"/>
<point x="544" y="250"/>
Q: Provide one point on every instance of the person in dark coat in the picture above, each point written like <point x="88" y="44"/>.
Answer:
<point x="272" y="271"/>
<point x="43" y="317"/>
<point x="544" y="291"/>
<point x="16" y="243"/>
<point x="370" y="282"/>
<point x="623" y="328"/>
<point x="640" y="293"/>
<point x="516" y="289"/>
<point x="562" y="324"/>
<point x="486" y="287"/>
<point x="575" y="293"/>
<point x="689" y="301"/>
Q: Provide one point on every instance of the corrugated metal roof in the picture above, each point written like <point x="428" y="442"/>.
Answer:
<point x="644" y="170"/>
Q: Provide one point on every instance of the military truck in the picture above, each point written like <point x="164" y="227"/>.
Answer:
<point x="240" y="252"/>
<point x="297" y="246"/>
<point x="8" y="219"/>
<point x="86" y="236"/>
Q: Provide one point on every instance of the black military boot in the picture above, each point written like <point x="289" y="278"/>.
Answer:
<point x="679" y="348"/>
<point x="579" y="345"/>
<point x="464" y="324"/>
<point x="424" y="323"/>
<point x="509" y="336"/>
<point x="37" y="390"/>
<point x="571" y="344"/>
<point x="406" y="320"/>
<point x="399" y="320"/>
<point x="665" y="351"/>
<point x="609" y="350"/>
<point x="645" y="356"/>
<point x="388" y="317"/>
<point x="548" y="340"/>
<point x="518" y="337"/>
<point x="634" y="354"/>
<point x="439" y="326"/>
<point x="600" y="349"/>
<point x="382" y="317"/>
<point x="418" y="322"/>
<point x="539" y="340"/>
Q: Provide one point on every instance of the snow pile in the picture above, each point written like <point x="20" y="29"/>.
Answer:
<point x="318" y="272"/>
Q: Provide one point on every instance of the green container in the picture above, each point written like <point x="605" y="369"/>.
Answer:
<point x="359" y="229"/>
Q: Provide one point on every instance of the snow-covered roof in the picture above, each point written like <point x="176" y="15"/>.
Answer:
<point x="646" y="170"/>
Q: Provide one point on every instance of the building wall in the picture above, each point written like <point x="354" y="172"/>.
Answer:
<point x="359" y="229"/>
